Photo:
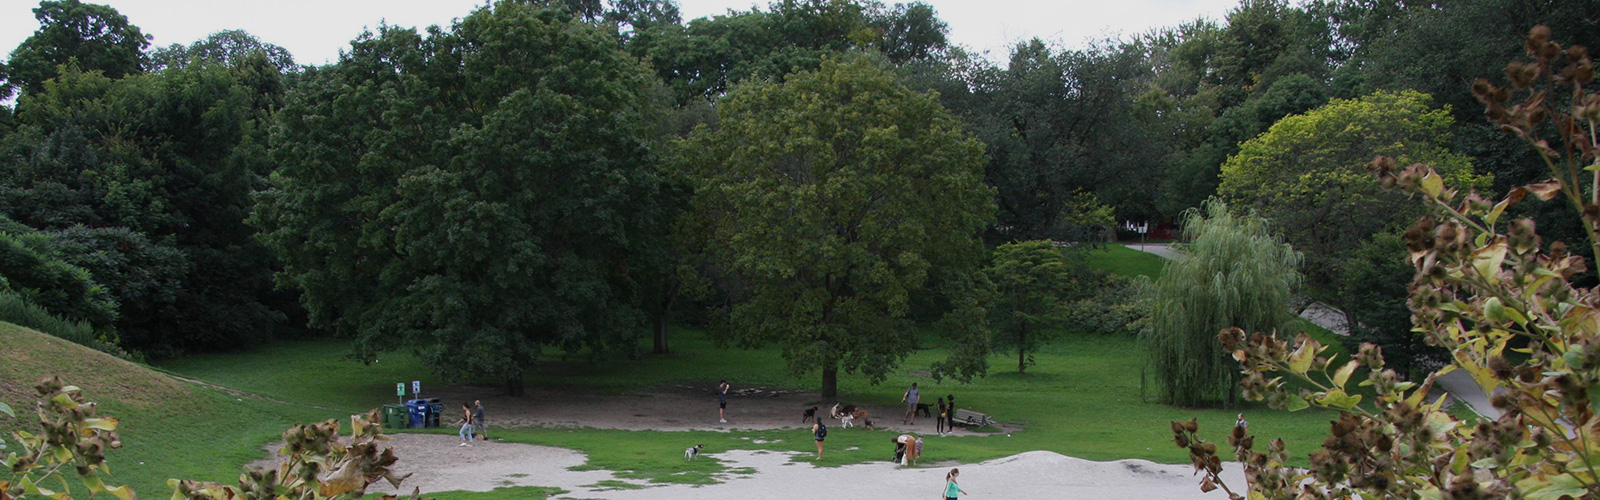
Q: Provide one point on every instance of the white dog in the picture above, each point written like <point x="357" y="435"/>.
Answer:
<point x="847" y="416"/>
<point x="693" y="452"/>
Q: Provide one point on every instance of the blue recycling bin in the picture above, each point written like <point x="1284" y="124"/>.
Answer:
<point x="417" y="410"/>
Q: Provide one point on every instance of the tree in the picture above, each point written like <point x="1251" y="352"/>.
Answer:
<point x="225" y="47"/>
<point x="29" y="269"/>
<point x="96" y="37"/>
<point x="174" y="156"/>
<point x="1033" y="281"/>
<point x="474" y="195"/>
<point x="837" y="195"/>
<point x="1484" y="284"/>
<point x="1306" y="174"/>
<point x="1231" y="272"/>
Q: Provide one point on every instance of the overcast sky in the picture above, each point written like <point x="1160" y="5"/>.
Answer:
<point x="315" y="30"/>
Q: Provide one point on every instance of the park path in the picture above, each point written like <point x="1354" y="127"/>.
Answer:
<point x="1458" y="384"/>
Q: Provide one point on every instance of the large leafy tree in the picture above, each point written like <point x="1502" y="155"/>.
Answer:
<point x="172" y="156"/>
<point x="1308" y="175"/>
<point x="95" y="37"/>
<point x="1232" y="272"/>
<point x="838" y="194"/>
<point x="1033" y="282"/>
<point x="474" y="194"/>
<point x="227" y="46"/>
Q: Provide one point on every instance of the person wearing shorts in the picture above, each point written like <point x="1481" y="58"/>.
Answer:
<point x="911" y="404"/>
<point x="819" y="432"/>
<point x="722" y="401"/>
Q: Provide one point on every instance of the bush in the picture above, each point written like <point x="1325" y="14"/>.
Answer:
<point x="16" y="310"/>
<point x="1115" y="308"/>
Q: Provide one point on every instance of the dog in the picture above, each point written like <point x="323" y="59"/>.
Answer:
<point x="693" y="452"/>
<point x="809" y="414"/>
<point x="849" y="414"/>
<point x="925" y="410"/>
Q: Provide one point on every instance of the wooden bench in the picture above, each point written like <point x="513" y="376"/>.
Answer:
<point x="972" y="418"/>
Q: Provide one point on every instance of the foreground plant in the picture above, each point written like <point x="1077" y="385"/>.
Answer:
<point x="1483" y="287"/>
<point x="318" y="463"/>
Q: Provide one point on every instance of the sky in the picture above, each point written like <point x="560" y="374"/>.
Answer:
<point x="314" y="31"/>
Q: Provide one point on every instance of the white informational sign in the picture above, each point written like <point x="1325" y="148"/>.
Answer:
<point x="416" y="387"/>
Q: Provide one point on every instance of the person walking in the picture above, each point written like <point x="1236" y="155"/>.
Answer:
<point x="466" y="425"/>
<point x="819" y="432"/>
<point x="722" y="400"/>
<point x="950" y="485"/>
<point x="938" y="418"/>
<point x="910" y="398"/>
<point x="478" y="423"/>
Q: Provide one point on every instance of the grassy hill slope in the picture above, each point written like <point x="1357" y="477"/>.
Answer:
<point x="170" y="428"/>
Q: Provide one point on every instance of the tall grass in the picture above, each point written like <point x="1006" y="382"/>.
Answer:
<point x="16" y="310"/>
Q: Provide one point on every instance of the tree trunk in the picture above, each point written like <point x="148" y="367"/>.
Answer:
<point x="661" y="332"/>
<point x="514" y="385"/>
<point x="1022" y="352"/>
<point x="830" y="384"/>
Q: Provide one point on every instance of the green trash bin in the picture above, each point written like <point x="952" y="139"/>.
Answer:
<point x="395" y="416"/>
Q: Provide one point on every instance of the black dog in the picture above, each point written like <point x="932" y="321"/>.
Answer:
<point x="925" y="409"/>
<point x="810" y="414"/>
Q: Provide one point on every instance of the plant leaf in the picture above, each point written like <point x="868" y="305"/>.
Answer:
<point x="1343" y="375"/>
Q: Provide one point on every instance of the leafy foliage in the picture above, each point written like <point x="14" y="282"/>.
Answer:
<point x="838" y="196"/>
<point x="1231" y="272"/>
<point x="1033" y="281"/>
<point x="72" y="437"/>
<point x="475" y="194"/>
<point x="1483" y="285"/>
<point x="1307" y="175"/>
<point x="223" y="47"/>
<point x="92" y="37"/>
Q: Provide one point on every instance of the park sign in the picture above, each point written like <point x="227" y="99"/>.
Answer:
<point x="400" y="389"/>
<point x="416" y="387"/>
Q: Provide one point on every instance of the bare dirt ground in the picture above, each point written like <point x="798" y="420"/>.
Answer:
<point x="671" y="408"/>
<point x="445" y="466"/>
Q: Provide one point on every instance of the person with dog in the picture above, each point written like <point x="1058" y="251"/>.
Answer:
<point x="466" y="425"/>
<point x="819" y="432"/>
<point x="722" y="401"/>
<point x="479" y="425"/>
<point x="938" y="418"/>
<point x="951" y="488"/>
<point x="910" y="398"/>
<point x="906" y="449"/>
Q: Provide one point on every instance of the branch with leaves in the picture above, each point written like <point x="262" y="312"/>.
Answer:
<point x="1484" y="286"/>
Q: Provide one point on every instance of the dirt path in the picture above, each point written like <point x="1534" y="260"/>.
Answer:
<point x="672" y="408"/>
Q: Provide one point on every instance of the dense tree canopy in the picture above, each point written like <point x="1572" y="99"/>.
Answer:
<point x="1308" y="175"/>
<point x="94" y="37"/>
<point x="476" y="193"/>
<point x="1033" y="281"/>
<point x="839" y="194"/>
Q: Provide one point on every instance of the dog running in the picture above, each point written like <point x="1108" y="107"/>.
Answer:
<point x="692" y="452"/>
<point x="809" y="414"/>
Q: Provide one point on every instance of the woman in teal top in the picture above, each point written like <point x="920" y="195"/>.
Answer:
<point x="950" y="486"/>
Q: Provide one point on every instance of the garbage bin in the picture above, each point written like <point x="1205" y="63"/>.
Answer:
<point x="394" y="416"/>
<point x="418" y="411"/>
<point x="435" y="410"/>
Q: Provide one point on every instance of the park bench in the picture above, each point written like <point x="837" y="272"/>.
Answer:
<point x="972" y="418"/>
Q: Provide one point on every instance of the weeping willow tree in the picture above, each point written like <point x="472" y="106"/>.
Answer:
<point x="1232" y="272"/>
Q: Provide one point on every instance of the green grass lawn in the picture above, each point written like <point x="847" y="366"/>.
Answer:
<point x="169" y="429"/>
<point x="1121" y="260"/>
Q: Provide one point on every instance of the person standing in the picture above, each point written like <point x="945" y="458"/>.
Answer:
<point x="910" y="398"/>
<point x="950" y="485"/>
<point x="466" y="425"/>
<point x="722" y="402"/>
<point x="478" y="423"/>
<point x="1240" y="422"/>
<point x="819" y="432"/>
<point x="938" y="418"/>
<point x="950" y="417"/>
